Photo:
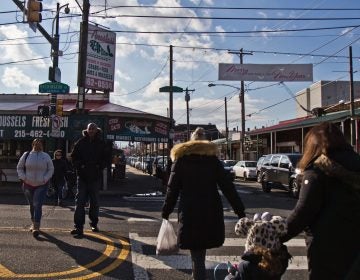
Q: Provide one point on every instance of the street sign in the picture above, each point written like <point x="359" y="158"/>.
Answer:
<point x="55" y="74"/>
<point x="55" y="126"/>
<point x="54" y="87"/>
<point x="167" y="89"/>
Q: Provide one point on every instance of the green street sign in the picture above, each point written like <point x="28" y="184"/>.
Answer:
<point x="168" y="89"/>
<point x="54" y="87"/>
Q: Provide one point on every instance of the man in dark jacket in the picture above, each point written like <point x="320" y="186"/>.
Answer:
<point x="88" y="158"/>
<point x="196" y="174"/>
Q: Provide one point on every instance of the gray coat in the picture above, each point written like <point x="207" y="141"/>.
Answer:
<point x="196" y="175"/>
<point x="39" y="168"/>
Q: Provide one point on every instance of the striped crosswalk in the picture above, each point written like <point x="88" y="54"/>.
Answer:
<point x="144" y="257"/>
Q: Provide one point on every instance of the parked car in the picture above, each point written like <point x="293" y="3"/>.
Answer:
<point x="258" y="168"/>
<point x="278" y="170"/>
<point x="159" y="166"/>
<point x="228" y="167"/>
<point x="245" y="169"/>
<point x="229" y="162"/>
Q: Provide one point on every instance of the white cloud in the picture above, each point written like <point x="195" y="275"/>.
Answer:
<point x="13" y="77"/>
<point x="262" y="14"/>
<point x="17" y="50"/>
<point x="122" y="75"/>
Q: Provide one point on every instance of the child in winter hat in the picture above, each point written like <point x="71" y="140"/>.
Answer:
<point x="265" y="257"/>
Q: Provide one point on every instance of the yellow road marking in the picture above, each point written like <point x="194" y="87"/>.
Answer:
<point x="6" y="273"/>
<point x="120" y="258"/>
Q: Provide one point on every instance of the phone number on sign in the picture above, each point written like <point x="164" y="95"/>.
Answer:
<point x="35" y="133"/>
<point x="98" y="84"/>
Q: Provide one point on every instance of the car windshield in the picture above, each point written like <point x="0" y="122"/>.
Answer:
<point x="250" y="163"/>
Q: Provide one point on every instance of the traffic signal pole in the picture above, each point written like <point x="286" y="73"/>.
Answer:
<point x="38" y="25"/>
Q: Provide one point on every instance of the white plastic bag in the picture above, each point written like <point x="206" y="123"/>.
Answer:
<point x="167" y="239"/>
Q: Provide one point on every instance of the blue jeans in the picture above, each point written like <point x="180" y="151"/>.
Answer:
<point x="86" y="191"/>
<point x="35" y="197"/>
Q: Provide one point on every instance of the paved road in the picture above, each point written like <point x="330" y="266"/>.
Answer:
<point x="125" y="247"/>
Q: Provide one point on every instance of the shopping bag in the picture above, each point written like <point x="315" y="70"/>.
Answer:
<point x="167" y="239"/>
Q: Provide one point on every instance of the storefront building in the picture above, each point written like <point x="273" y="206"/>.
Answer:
<point x="20" y="124"/>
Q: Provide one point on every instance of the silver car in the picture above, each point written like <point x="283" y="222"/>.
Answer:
<point x="245" y="169"/>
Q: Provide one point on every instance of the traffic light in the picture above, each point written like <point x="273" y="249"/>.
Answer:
<point x="43" y="111"/>
<point x="34" y="9"/>
<point x="59" y="107"/>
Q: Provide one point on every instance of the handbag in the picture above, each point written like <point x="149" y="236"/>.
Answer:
<point x="166" y="240"/>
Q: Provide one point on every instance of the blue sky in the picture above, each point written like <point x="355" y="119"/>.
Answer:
<point x="142" y="59"/>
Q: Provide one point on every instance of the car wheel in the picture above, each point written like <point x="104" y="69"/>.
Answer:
<point x="258" y="177"/>
<point x="244" y="176"/>
<point x="265" y="186"/>
<point x="295" y="189"/>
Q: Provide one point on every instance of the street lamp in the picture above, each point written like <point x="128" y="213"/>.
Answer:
<point x="54" y="73"/>
<point x="242" y="102"/>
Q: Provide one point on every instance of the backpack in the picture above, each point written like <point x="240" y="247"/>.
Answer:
<point x="26" y="156"/>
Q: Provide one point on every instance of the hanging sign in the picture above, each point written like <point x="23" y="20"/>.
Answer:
<point x="266" y="72"/>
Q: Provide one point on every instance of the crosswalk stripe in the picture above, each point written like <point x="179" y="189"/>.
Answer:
<point x="296" y="242"/>
<point x="174" y="220"/>
<point x="142" y="262"/>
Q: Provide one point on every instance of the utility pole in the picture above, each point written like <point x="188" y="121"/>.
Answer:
<point x="171" y="126"/>
<point x="241" y="53"/>
<point x="352" y="113"/>
<point x="226" y="131"/>
<point x="187" y="99"/>
<point x="84" y="28"/>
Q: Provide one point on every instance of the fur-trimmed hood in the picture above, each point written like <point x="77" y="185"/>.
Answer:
<point x="194" y="147"/>
<point x="333" y="169"/>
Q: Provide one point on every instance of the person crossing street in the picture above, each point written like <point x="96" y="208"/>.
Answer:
<point x="88" y="157"/>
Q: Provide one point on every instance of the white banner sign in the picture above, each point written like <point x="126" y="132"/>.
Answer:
<point x="100" y="60"/>
<point x="266" y="72"/>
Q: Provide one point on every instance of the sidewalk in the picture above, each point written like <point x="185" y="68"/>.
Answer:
<point x="135" y="182"/>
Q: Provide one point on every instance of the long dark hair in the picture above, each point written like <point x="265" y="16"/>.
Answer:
<point x="325" y="138"/>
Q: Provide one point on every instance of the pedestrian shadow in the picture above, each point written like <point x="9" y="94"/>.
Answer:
<point x="83" y="256"/>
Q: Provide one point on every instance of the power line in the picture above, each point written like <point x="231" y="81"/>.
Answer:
<point x="234" y="18"/>
<point x="236" y="32"/>
<point x="228" y="8"/>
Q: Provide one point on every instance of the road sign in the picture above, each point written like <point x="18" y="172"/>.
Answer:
<point x="54" y="87"/>
<point x="55" y="126"/>
<point x="167" y="89"/>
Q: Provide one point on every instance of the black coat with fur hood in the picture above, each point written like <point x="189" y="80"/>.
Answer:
<point x="329" y="210"/>
<point x="88" y="156"/>
<point x="196" y="174"/>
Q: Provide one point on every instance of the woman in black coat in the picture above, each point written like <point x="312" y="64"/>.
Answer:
<point x="328" y="208"/>
<point x="196" y="174"/>
<point x="58" y="178"/>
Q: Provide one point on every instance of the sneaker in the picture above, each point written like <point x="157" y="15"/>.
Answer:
<point x="35" y="233"/>
<point x="94" y="228"/>
<point x="77" y="231"/>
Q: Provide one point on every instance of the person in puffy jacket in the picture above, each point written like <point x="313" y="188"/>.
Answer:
<point x="35" y="169"/>
<point x="88" y="158"/>
<point x="196" y="175"/>
<point x="328" y="208"/>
